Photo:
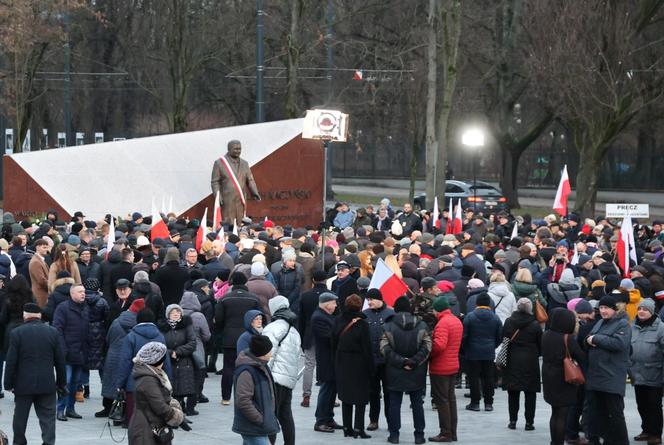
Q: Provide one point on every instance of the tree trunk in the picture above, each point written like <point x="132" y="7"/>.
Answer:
<point x="508" y="185"/>
<point x="431" y="142"/>
<point x="293" y="59"/>
<point x="587" y="181"/>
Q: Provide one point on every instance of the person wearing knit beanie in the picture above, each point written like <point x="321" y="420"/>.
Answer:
<point x="647" y="304"/>
<point x="374" y="294"/>
<point x="524" y="305"/>
<point x="152" y="353"/>
<point x="609" y="302"/>
<point x="583" y="307"/>
<point x="484" y="300"/>
<point x="238" y="279"/>
<point x="402" y="305"/>
<point x="441" y="303"/>
<point x="260" y="346"/>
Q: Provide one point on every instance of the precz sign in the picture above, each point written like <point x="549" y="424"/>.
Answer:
<point x="631" y="210"/>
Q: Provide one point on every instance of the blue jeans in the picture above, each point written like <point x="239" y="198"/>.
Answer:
<point x="73" y="379"/>
<point x="325" y="404"/>
<point x="394" y="417"/>
<point x="255" y="440"/>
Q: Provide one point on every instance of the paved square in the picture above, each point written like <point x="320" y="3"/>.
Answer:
<point x="213" y="425"/>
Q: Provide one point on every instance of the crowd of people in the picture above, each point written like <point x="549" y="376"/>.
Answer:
<point x="484" y="310"/>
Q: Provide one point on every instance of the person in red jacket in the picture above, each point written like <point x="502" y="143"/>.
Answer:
<point x="443" y="367"/>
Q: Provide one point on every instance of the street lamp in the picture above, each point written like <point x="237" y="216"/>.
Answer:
<point x="473" y="138"/>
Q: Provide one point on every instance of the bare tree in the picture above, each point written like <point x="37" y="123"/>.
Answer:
<point x="590" y="74"/>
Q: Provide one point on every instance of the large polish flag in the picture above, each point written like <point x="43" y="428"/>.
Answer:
<point x="159" y="228"/>
<point x="389" y="284"/>
<point x="564" y="189"/>
<point x="626" y="247"/>
<point x="202" y="231"/>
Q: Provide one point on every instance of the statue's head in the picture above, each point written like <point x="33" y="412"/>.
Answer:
<point x="234" y="149"/>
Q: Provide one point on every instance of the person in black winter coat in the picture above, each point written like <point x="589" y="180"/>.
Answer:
<point x="322" y="325"/>
<point x="180" y="339"/>
<point x="86" y="267"/>
<point x="229" y="325"/>
<point x="558" y="393"/>
<point x="153" y="301"/>
<point x="106" y="268"/>
<point x="353" y="364"/>
<point x="406" y="345"/>
<point x="522" y="373"/>
<point x="345" y="284"/>
<point x="377" y="314"/>
<point x="16" y="294"/>
<point x="98" y="312"/>
<point x="306" y="308"/>
<point x="171" y="277"/>
<point x="60" y="294"/>
<point x="34" y="350"/>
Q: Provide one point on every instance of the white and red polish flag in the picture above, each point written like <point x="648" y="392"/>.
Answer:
<point x="389" y="284"/>
<point x="449" y="229"/>
<point x="159" y="228"/>
<point x="458" y="220"/>
<point x="202" y="231"/>
<point x="436" y="214"/>
<point x="626" y="247"/>
<point x="564" y="189"/>
<point x="110" y="241"/>
<point x="216" y="217"/>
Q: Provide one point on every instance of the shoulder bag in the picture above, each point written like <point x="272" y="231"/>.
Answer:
<point x="540" y="312"/>
<point x="573" y="373"/>
<point x="503" y="350"/>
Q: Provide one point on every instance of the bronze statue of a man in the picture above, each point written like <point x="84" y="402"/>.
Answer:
<point x="232" y="178"/>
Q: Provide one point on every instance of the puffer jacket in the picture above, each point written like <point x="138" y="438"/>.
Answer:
<point x="114" y="342"/>
<point x="60" y="294"/>
<point x="97" y="333"/>
<point x="191" y="306"/>
<point x="140" y="335"/>
<point x="608" y="359"/>
<point x="504" y="303"/>
<point x="482" y="333"/>
<point x="446" y="341"/>
<point x="286" y="343"/>
<point x="289" y="282"/>
<point x="376" y="320"/>
<point x="405" y="337"/>
<point x="647" y="356"/>
<point x="522" y="289"/>
<point x="566" y="289"/>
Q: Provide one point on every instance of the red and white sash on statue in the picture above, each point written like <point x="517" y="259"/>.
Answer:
<point x="236" y="183"/>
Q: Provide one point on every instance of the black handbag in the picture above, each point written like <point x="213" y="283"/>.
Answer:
<point x="119" y="408"/>
<point x="163" y="434"/>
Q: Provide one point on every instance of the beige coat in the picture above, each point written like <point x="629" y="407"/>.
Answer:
<point x="55" y="269"/>
<point x="232" y="208"/>
<point x="39" y="277"/>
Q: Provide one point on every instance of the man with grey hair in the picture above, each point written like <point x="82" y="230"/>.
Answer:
<point x="233" y="181"/>
<point x="191" y="260"/>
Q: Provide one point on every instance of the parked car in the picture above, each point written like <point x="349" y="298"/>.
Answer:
<point x="484" y="198"/>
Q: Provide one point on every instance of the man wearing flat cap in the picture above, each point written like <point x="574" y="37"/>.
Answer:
<point x="34" y="350"/>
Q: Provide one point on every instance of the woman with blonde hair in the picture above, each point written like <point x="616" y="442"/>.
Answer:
<point x="62" y="262"/>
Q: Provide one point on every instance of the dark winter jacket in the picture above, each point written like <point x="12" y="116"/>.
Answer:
<point x="523" y="369"/>
<point x="353" y="361"/>
<point x="106" y="268"/>
<point x="608" y="359"/>
<point x="97" y="313"/>
<point x="376" y="320"/>
<point x="477" y="264"/>
<point x="60" y="294"/>
<point x="405" y="341"/>
<point x="71" y="321"/>
<point x="344" y="288"/>
<point x="140" y="335"/>
<point x="289" y="283"/>
<point x="171" y="278"/>
<point x="229" y="315"/>
<point x="556" y="391"/>
<point x="244" y="339"/>
<point x="482" y="333"/>
<point x="114" y="341"/>
<point x="322" y="325"/>
<point x="307" y="305"/>
<point x="34" y="350"/>
<point x="90" y="270"/>
<point x="254" y="397"/>
<point x="181" y="340"/>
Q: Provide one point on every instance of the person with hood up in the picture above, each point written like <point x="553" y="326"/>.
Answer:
<point x="645" y="370"/>
<point x="155" y="408"/>
<point x="567" y="288"/>
<point x="444" y="366"/>
<point x="180" y="339"/>
<point x="353" y="364"/>
<point x="284" y="363"/>
<point x="406" y="345"/>
<point x="500" y="291"/>
<point x="377" y="314"/>
<point x="522" y="373"/>
<point x="98" y="311"/>
<point x="524" y="287"/>
<point x="482" y="333"/>
<point x="114" y="341"/>
<point x="556" y="341"/>
<point x="254" y="408"/>
<point x="254" y="322"/>
<point x="608" y="357"/>
<point x="191" y="307"/>
<point x="627" y="286"/>
<point x="144" y="332"/>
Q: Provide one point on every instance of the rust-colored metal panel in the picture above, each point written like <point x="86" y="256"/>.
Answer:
<point x="23" y="196"/>
<point x="290" y="181"/>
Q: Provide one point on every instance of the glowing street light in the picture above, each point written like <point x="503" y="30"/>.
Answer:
<point x="473" y="138"/>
